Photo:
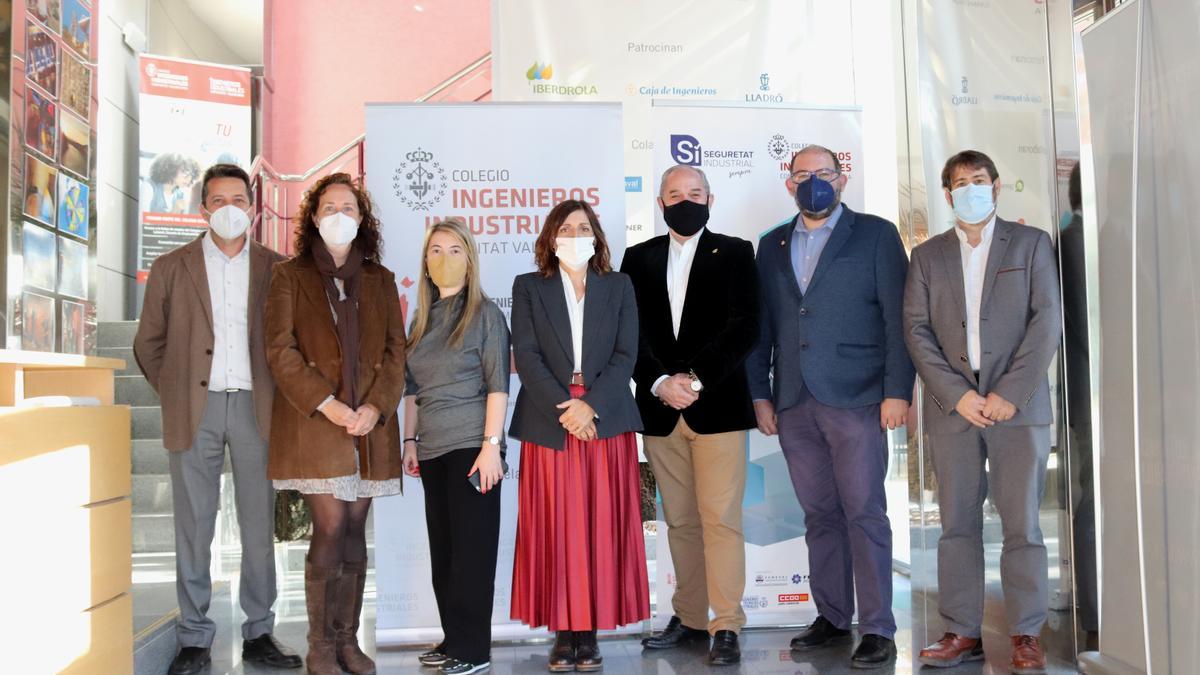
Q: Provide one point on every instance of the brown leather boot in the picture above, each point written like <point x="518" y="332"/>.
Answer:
<point x="345" y="621"/>
<point x="951" y="650"/>
<point x="1028" y="658"/>
<point x="320" y="590"/>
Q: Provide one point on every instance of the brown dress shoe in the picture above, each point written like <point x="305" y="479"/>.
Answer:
<point x="951" y="650"/>
<point x="1028" y="657"/>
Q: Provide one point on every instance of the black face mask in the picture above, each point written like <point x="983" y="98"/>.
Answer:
<point x="686" y="217"/>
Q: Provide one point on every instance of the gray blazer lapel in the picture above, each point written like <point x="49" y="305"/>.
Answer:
<point x="194" y="262"/>
<point x="952" y="260"/>
<point x="841" y="234"/>
<point x="595" y="310"/>
<point x="553" y="299"/>
<point x="1000" y="239"/>
<point x="785" y="244"/>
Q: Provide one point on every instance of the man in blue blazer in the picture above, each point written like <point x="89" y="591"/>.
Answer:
<point x="832" y="284"/>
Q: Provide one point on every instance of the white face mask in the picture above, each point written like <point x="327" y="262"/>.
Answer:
<point x="575" y="252"/>
<point x="338" y="229"/>
<point x="229" y="222"/>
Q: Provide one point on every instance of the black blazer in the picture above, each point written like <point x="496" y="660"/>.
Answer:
<point x="718" y="331"/>
<point x="541" y="340"/>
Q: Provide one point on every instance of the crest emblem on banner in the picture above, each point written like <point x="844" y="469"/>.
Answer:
<point x="419" y="181"/>
<point x="778" y="147"/>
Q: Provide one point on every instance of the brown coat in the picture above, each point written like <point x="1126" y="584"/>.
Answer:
<point x="303" y="350"/>
<point x="174" y="341"/>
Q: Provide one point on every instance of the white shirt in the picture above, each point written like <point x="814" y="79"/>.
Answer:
<point x="229" y="290"/>
<point x="679" y="270"/>
<point x="974" y="265"/>
<point x="575" y="313"/>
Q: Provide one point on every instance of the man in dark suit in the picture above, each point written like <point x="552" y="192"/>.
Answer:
<point x="697" y="295"/>
<point x="832" y="288"/>
<point x="983" y="319"/>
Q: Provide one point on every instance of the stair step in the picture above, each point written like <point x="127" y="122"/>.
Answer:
<point x="112" y="334"/>
<point x="147" y="422"/>
<point x="152" y="494"/>
<point x="125" y="353"/>
<point x="134" y="390"/>
<point x="153" y="532"/>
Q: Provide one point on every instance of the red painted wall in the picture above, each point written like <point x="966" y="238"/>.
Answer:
<point x="323" y="62"/>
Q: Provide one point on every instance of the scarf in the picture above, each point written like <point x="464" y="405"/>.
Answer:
<point x="346" y="310"/>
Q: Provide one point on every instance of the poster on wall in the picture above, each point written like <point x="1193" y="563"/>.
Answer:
<point x="74" y="144"/>
<point x="71" y="325"/>
<point x="77" y="27"/>
<point x="193" y="115"/>
<point x="42" y="64"/>
<point x="432" y="161"/>
<point x="72" y="206"/>
<point x="634" y="51"/>
<point x="76" y="91"/>
<point x="37" y="322"/>
<point x="41" y="186"/>
<point x="745" y="151"/>
<point x="41" y="124"/>
<point x="38" y="257"/>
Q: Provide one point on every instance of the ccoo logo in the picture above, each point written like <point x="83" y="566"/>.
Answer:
<point x="685" y="149"/>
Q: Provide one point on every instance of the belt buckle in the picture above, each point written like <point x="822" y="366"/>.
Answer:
<point x="577" y="379"/>
<point x="232" y="390"/>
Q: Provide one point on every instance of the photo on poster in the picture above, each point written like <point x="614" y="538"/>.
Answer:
<point x="37" y="318"/>
<point x="41" y="63"/>
<point x="41" y="123"/>
<point x="73" y="268"/>
<point x="76" y="91"/>
<point x="40" y="187"/>
<point x="77" y="27"/>
<point x="38" y="254"/>
<point x="72" y="322"/>
<point x="74" y="139"/>
<point x="72" y="206"/>
<point x="168" y="183"/>
<point x="45" y="11"/>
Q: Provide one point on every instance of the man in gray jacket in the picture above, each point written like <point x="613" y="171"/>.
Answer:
<point x="982" y="322"/>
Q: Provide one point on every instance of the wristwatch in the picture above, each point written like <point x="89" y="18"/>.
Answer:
<point x="696" y="386"/>
<point x="494" y="440"/>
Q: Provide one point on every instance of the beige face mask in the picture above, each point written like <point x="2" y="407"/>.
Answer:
<point x="447" y="271"/>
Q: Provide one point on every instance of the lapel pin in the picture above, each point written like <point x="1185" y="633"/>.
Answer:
<point x="714" y="250"/>
<point x="783" y="242"/>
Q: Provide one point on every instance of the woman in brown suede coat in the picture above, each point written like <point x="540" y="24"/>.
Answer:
<point x="335" y="344"/>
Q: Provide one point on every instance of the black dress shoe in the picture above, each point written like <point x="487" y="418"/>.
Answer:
<point x="189" y="661"/>
<point x="587" y="652"/>
<point x="725" y="650"/>
<point x="874" y="651"/>
<point x="562" y="654"/>
<point x="675" y="635"/>
<point x="820" y="634"/>
<point x="265" y="650"/>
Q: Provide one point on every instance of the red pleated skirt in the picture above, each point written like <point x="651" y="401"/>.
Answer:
<point x="581" y="556"/>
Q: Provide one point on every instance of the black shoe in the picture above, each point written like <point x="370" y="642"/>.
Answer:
<point x="434" y="657"/>
<point x="456" y="667"/>
<point x="265" y="650"/>
<point x="562" y="654"/>
<point x="587" y="652"/>
<point x="725" y="650"/>
<point x="189" y="661"/>
<point x="874" y="651"/>
<point x="820" y="634"/>
<point x="675" y="635"/>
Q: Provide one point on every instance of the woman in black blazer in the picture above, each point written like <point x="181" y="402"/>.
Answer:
<point x="580" y="559"/>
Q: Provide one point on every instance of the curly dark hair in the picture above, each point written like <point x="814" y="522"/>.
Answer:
<point x="369" y="239"/>
<point x="543" y="249"/>
<point x="168" y="165"/>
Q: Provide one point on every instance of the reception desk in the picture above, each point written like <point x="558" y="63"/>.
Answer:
<point x="65" y="515"/>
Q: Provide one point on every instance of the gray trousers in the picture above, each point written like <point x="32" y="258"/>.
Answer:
<point x="1016" y="478"/>
<point x="196" y="488"/>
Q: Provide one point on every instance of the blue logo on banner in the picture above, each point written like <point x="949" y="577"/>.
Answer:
<point x="633" y="183"/>
<point x="685" y="149"/>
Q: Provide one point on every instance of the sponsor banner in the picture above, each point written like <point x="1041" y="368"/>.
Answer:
<point x="745" y="151"/>
<point x="479" y="162"/>
<point x="759" y="53"/>
<point x="193" y="115"/>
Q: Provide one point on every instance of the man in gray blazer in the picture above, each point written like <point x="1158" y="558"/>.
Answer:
<point x="982" y="322"/>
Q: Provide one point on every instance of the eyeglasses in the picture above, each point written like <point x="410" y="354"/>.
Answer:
<point x="824" y="174"/>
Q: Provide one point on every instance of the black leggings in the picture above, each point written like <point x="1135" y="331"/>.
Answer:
<point x="339" y="530"/>
<point x="464" y="533"/>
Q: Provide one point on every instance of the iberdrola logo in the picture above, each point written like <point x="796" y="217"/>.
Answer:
<point x="539" y="72"/>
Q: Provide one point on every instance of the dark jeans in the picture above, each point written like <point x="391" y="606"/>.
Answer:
<point x="464" y="533"/>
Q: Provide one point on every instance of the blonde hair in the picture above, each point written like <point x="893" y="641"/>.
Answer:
<point x="427" y="292"/>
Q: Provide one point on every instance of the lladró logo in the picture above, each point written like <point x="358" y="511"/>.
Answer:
<point x="778" y="147"/>
<point x="964" y="98"/>
<point x="419" y="181"/>
<point x="539" y="72"/>
<point x="685" y="149"/>
<point x="764" y="82"/>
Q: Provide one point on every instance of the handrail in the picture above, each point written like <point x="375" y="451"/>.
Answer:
<point x="455" y="78"/>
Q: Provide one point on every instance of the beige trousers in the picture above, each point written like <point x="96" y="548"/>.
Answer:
<point x="702" y="478"/>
